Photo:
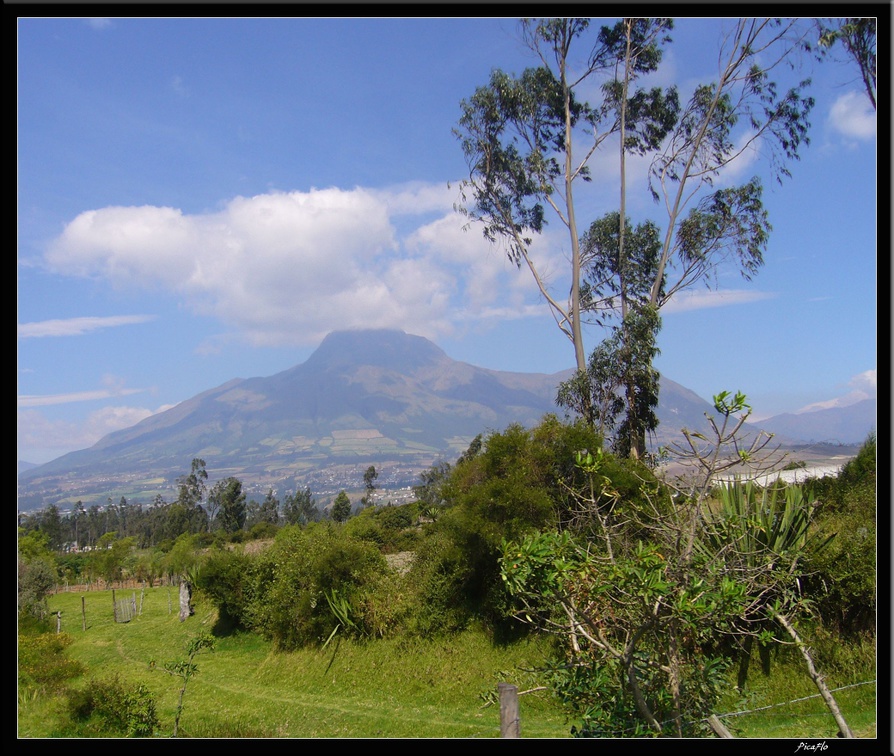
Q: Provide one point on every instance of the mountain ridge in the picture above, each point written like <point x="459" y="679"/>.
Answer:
<point x="379" y="397"/>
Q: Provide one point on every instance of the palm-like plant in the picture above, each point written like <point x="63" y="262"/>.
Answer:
<point x="761" y="533"/>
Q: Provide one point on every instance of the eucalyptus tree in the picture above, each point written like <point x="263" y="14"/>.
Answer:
<point x="528" y="141"/>
<point x="300" y="508"/>
<point x="191" y="496"/>
<point x="369" y="484"/>
<point x="341" y="507"/>
<point x="857" y="36"/>
<point x="230" y="501"/>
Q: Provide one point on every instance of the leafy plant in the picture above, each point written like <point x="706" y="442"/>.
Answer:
<point x="111" y="707"/>
<point x="186" y="669"/>
<point x="43" y="662"/>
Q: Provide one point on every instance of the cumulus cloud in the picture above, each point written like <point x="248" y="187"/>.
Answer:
<point x="77" y="326"/>
<point x="37" y="432"/>
<point x="853" y="116"/>
<point x="862" y="386"/>
<point x="287" y="268"/>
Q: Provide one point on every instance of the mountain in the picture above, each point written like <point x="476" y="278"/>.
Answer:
<point x="363" y="397"/>
<point x="23" y="465"/>
<point x="843" y="425"/>
<point x="366" y="397"/>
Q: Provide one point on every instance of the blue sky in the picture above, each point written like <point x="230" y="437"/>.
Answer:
<point x="205" y="199"/>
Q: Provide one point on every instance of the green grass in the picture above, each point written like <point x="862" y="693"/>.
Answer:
<point x="786" y="704"/>
<point x="390" y="688"/>
<point x="386" y="688"/>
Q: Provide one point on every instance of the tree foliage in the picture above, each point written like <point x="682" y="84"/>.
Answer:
<point x="289" y="582"/>
<point x="642" y="605"/>
<point x="528" y="141"/>
<point x="341" y="507"/>
<point x="857" y="36"/>
<point x="300" y="508"/>
<point x="230" y="502"/>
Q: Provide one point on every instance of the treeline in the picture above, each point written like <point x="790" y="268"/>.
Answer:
<point x="534" y="524"/>
<point x="223" y="508"/>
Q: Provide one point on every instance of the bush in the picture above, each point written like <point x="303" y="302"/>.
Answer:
<point x="843" y="578"/>
<point x="510" y="484"/>
<point x="294" y="580"/>
<point x="36" y="579"/>
<point x="225" y="577"/>
<point x="43" y="663"/>
<point x="109" y="707"/>
<point x="262" y="530"/>
<point x="439" y="574"/>
<point x="390" y="528"/>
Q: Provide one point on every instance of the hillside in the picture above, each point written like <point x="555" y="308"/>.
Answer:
<point x="843" y="425"/>
<point x="368" y="397"/>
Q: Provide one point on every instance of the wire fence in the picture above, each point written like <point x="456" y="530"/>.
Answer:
<point x="768" y="706"/>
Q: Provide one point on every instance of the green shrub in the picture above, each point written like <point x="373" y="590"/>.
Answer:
<point x="390" y="528"/>
<point x="262" y="530"/>
<point x="225" y="578"/>
<point x="292" y="579"/>
<point x="43" y="663"/>
<point x="37" y="578"/>
<point x="842" y="581"/>
<point x="505" y="486"/>
<point x="109" y="707"/>
<point x="439" y="575"/>
<point x="365" y="527"/>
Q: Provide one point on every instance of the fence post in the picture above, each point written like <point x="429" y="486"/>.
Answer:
<point x="114" y="606"/>
<point x="83" y="615"/>
<point x="58" y="622"/>
<point x="510" y="727"/>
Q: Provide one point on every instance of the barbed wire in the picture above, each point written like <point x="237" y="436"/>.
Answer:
<point x="760" y="708"/>
<point x="794" y="700"/>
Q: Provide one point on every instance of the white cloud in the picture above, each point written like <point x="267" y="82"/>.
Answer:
<point x="77" y="326"/>
<point x="113" y="386"/>
<point x="38" y="436"/>
<point x="863" y="386"/>
<point x="287" y="268"/>
<point x="865" y="381"/>
<point x="26" y="400"/>
<point x="853" y="116"/>
<point x="702" y="300"/>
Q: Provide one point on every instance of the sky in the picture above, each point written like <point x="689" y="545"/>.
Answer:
<point x="205" y="199"/>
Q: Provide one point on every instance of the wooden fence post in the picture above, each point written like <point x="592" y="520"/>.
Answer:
<point x="58" y="622"/>
<point x="114" y="606"/>
<point x="510" y="727"/>
<point x="83" y="615"/>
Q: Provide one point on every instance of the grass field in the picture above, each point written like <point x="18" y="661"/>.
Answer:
<point x="383" y="689"/>
<point x="245" y="689"/>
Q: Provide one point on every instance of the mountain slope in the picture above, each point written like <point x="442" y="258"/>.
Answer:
<point x="843" y="425"/>
<point x="363" y="397"/>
